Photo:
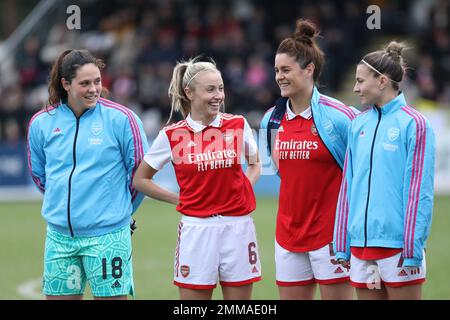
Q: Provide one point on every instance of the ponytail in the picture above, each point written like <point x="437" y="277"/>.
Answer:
<point x="184" y="76"/>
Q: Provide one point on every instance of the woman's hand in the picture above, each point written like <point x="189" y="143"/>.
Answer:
<point x="344" y="263"/>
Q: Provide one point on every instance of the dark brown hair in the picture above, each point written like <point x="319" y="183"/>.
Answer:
<point x="303" y="48"/>
<point x="389" y="62"/>
<point x="66" y="67"/>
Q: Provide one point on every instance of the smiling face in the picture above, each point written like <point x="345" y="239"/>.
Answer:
<point x="206" y="94"/>
<point x="292" y="79"/>
<point x="85" y="88"/>
<point x="367" y="86"/>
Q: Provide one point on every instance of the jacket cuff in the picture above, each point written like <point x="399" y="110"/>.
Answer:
<point x="342" y="255"/>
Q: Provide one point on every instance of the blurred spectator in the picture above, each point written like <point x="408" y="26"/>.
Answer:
<point x="141" y="40"/>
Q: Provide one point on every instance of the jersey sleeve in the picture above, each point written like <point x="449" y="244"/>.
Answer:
<point x="418" y="190"/>
<point x="250" y="145"/>
<point x="36" y="155"/>
<point x="160" y="152"/>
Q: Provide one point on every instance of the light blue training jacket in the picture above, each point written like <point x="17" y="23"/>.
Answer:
<point x="386" y="196"/>
<point x="331" y="117"/>
<point x="84" y="166"/>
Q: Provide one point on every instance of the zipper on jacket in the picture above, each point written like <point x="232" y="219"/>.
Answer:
<point x="71" y="174"/>
<point x="370" y="175"/>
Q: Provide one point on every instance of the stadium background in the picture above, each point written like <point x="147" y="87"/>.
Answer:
<point x="140" y="42"/>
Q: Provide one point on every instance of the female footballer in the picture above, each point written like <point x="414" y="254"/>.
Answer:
<point x="83" y="151"/>
<point x="307" y="136"/>
<point x="216" y="235"/>
<point x="385" y="204"/>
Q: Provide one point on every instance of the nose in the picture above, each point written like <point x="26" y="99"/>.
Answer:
<point x="278" y="76"/>
<point x="220" y="95"/>
<point x="92" y="87"/>
<point x="356" y="88"/>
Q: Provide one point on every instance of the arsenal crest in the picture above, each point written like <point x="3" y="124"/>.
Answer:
<point x="184" y="270"/>
<point x="96" y="128"/>
<point x="228" y="137"/>
<point x="393" y="133"/>
<point x="313" y="130"/>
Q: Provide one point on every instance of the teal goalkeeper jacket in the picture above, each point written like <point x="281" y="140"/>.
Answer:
<point x="85" y="166"/>
<point x="386" y="196"/>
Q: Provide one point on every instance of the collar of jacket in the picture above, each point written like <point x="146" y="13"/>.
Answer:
<point x="315" y="97"/>
<point x="393" y="105"/>
<point x="64" y="107"/>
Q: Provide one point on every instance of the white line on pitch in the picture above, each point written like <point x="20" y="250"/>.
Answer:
<point x="31" y="289"/>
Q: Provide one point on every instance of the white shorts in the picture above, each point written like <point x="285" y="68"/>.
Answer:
<point x="303" y="268"/>
<point x="218" y="247"/>
<point x="370" y="274"/>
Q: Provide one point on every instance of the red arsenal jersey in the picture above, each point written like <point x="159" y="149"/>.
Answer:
<point x="310" y="182"/>
<point x="207" y="162"/>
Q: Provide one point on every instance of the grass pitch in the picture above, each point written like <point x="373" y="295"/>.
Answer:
<point x="22" y="234"/>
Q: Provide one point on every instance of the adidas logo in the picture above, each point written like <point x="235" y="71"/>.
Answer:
<point x="415" y="271"/>
<point x="338" y="270"/>
<point x="255" y="270"/>
<point x="361" y="134"/>
<point x="191" y="144"/>
<point x="281" y="129"/>
<point x="57" y="131"/>
<point x="402" y="273"/>
<point x="116" y="284"/>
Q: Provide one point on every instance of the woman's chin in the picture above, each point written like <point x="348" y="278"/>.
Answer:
<point x="284" y="93"/>
<point x="214" y="111"/>
<point x="91" y="105"/>
<point x="363" y="101"/>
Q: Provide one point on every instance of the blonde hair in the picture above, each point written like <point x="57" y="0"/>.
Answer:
<point x="184" y="74"/>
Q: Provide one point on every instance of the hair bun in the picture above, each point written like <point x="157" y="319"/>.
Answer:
<point x="305" y="31"/>
<point x="394" y="49"/>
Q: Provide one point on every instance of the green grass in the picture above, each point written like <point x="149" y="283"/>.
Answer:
<point x="22" y="234"/>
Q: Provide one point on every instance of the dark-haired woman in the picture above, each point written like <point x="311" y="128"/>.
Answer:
<point x="386" y="200"/>
<point x="307" y="138"/>
<point x="83" y="151"/>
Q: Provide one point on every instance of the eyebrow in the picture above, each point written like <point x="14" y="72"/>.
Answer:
<point x="84" y="80"/>
<point x="282" y="67"/>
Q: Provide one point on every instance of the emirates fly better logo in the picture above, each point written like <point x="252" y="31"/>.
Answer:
<point x="295" y="150"/>
<point x="209" y="150"/>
